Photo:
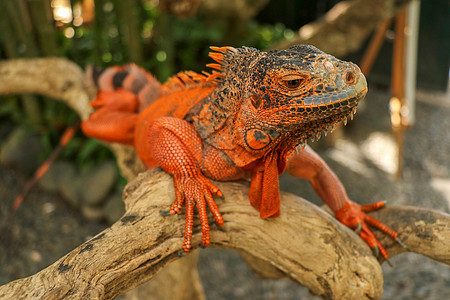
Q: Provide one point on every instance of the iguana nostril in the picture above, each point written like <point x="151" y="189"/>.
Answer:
<point x="350" y="77"/>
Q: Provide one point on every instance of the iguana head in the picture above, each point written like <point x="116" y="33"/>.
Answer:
<point x="284" y="97"/>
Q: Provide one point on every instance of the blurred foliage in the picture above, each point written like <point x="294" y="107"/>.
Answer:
<point x="121" y="32"/>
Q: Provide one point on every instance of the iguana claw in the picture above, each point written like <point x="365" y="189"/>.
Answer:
<point x="354" y="216"/>
<point x="164" y="213"/>
<point x="358" y="228"/>
<point x="401" y="243"/>
<point x="389" y="262"/>
<point x="376" y="251"/>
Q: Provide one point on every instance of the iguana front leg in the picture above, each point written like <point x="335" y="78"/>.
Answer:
<point x="177" y="148"/>
<point x="308" y="165"/>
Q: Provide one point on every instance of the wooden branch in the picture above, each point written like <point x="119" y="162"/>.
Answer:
<point x="58" y="78"/>
<point x="345" y="27"/>
<point x="424" y="231"/>
<point x="305" y="243"/>
<point x="62" y="80"/>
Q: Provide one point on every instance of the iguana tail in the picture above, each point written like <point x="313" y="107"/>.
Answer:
<point x="123" y="92"/>
<point x="64" y="140"/>
<point x="130" y="78"/>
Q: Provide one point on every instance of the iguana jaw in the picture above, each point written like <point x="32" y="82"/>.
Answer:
<point x="298" y="134"/>
<point x="332" y="113"/>
<point x="313" y="130"/>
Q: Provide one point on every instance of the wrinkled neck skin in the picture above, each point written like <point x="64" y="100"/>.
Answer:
<point x="220" y="124"/>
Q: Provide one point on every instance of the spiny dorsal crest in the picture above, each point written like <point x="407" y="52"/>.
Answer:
<point x="219" y="56"/>
<point x="232" y="72"/>
<point x="229" y="59"/>
<point x="187" y="80"/>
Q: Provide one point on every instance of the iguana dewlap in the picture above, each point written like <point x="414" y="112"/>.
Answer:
<point x="249" y="119"/>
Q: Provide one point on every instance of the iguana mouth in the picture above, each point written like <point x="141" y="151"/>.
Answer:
<point x="314" y="130"/>
<point x="337" y="107"/>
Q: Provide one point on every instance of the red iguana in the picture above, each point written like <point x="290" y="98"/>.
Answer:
<point x="249" y="119"/>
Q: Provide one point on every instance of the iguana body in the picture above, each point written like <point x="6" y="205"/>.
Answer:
<point x="249" y="120"/>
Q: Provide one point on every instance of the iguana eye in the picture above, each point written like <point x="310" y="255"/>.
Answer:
<point x="292" y="82"/>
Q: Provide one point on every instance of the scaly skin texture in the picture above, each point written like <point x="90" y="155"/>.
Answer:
<point x="249" y="119"/>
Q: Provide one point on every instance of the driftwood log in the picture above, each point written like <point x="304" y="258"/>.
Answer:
<point x="305" y="244"/>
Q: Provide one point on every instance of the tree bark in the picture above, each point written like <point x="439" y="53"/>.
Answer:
<point x="58" y="78"/>
<point x="305" y="243"/>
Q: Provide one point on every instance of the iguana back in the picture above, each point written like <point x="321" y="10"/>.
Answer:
<point x="129" y="98"/>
